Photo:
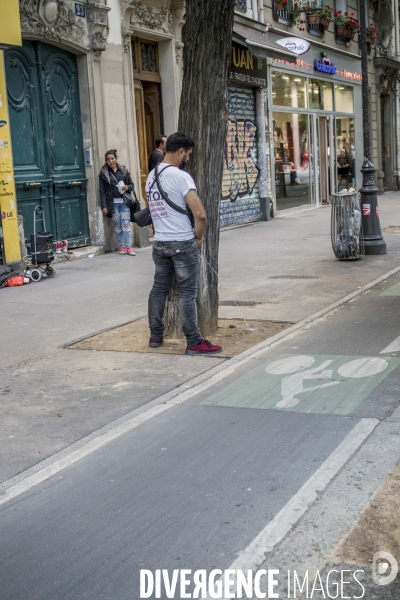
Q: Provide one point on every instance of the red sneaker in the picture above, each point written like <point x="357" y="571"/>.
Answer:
<point x="155" y="342"/>
<point x="205" y="347"/>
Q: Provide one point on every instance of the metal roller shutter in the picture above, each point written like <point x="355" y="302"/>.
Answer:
<point x="240" y="189"/>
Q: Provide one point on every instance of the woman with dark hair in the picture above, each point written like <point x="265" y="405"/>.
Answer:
<point x="114" y="180"/>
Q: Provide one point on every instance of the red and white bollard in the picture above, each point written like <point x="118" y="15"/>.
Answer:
<point x="59" y="246"/>
<point x="65" y="245"/>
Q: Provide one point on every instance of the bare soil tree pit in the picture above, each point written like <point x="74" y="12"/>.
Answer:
<point x="234" y="335"/>
<point x="378" y="528"/>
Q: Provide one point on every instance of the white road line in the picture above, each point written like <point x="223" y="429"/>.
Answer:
<point x="288" y="517"/>
<point x="393" y="347"/>
<point x="73" y="457"/>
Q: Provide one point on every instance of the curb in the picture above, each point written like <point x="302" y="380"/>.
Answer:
<point x="85" y="252"/>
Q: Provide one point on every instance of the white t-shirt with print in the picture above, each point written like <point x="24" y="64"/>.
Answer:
<point x="170" y="225"/>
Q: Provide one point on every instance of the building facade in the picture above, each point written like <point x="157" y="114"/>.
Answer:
<point x="91" y="76"/>
<point x="314" y="108"/>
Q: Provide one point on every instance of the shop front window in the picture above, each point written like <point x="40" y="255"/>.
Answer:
<point x="345" y="153"/>
<point x="289" y="90"/>
<point x="344" y="98"/>
<point x="320" y="94"/>
<point x="292" y="160"/>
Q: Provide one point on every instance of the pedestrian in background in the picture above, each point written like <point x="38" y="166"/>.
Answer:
<point x="157" y="155"/>
<point x="114" y="180"/>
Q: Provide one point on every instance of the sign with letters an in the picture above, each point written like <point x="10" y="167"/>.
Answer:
<point x="248" y="68"/>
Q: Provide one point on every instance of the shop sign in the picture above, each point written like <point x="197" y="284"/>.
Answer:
<point x="294" y="44"/>
<point x="324" y="65"/>
<point x="248" y="68"/>
<point x="10" y="27"/>
<point x="8" y="203"/>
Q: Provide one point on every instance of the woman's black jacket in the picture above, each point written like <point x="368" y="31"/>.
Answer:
<point x="106" y="194"/>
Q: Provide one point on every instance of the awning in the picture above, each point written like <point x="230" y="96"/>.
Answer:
<point x="260" y="45"/>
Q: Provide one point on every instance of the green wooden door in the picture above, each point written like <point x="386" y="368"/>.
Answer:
<point x="43" y="94"/>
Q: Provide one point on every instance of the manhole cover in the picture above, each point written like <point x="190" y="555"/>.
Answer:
<point x="292" y="277"/>
<point x="238" y="303"/>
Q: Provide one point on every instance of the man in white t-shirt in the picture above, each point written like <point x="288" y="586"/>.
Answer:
<point x="176" y="243"/>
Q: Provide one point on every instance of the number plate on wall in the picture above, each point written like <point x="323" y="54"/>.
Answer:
<point x="80" y="10"/>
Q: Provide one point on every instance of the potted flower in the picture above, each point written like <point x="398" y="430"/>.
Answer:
<point x="353" y="26"/>
<point x="346" y="25"/>
<point x="280" y="4"/>
<point x="312" y="12"/>
<point x="371" y="34"/>
<point x="325" y="16"/>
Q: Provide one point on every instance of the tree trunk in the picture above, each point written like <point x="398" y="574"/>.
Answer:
<point x="203" y="115"/>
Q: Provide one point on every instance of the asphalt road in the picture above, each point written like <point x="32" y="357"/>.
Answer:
<point x="192" y="487"/>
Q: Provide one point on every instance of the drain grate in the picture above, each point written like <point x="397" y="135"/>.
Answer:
<point x="292" y="277"/>
<point x="238" y="303"/>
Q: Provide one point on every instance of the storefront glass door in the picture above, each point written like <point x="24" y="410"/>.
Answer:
<point x="345" y="153"/>
<point x="325" y="174"/>
<point x="293" y="170"/>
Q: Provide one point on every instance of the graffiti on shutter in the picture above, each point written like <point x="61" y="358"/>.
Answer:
<point x="240" y="190"/>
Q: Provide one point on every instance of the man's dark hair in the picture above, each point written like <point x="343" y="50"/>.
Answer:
<point x="159" y="140"/>
<point x="179" y="140"/>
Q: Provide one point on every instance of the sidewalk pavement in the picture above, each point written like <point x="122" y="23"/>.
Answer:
<point x="52" y="396"/>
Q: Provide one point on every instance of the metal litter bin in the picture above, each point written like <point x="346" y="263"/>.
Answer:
<point x="346" y="234"/>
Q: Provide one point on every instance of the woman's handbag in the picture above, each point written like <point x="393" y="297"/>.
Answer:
<point x="131" y="202"/>
<point x="142" y="217"/>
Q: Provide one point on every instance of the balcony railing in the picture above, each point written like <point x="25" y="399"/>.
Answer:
<point x="282" y="16"/>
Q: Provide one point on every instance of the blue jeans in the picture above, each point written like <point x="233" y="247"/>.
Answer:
<point x="181" y="259"/>
<point x="122" y="225"/>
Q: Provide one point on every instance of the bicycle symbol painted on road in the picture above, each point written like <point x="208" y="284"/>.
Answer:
<point x="293" y="385"/>
<point x="307" y="383"/>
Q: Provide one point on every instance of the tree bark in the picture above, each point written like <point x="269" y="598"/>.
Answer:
<point x="203" y="115"/>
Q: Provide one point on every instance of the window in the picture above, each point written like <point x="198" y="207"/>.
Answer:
<point x="241" y="5"/>
<point x="341" y="5"/>
<point x="145" y="60"/>
<point x="292" y="171"/>
<point x="345" y="153"/>
<point x="306" y="3"/>
<point x="289" y="90"/>
<point x="320" y="94"/>
<point x="344" y="98"/>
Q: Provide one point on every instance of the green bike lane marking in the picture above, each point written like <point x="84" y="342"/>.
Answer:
<point x="320" y="384"/>
<point x="394" y="290"/>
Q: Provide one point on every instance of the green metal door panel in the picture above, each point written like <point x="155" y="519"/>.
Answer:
<point x="43" y="91"/>
<point x="32" y="196"/>
<point x="21" y="89"/>
<point x="30" y="169"/>
<point x="63" y="116"/>
<point x="64" y="131"/>
<point x="69" y="203"/>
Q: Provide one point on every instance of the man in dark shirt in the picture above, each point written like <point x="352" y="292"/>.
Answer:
<point x="157" y="155"/>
